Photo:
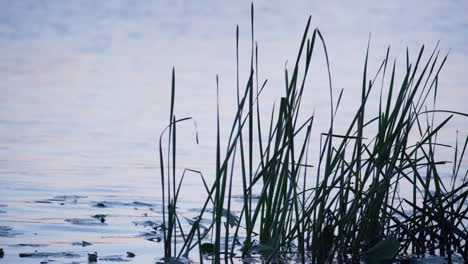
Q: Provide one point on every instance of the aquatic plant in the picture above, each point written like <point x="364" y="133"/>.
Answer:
<point x="348" y="206"/>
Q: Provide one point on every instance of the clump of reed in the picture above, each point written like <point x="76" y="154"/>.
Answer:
<point x="347" y="207"/>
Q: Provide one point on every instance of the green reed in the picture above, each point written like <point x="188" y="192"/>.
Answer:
<point x="348" y="206"/>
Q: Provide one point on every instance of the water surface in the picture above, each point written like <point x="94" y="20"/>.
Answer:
<point x="85" y="95"/>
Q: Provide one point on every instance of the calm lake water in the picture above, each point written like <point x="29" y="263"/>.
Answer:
<point x="85" y="95"/>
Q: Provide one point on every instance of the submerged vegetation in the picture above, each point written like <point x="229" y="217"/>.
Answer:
<point x="347" y="206"/>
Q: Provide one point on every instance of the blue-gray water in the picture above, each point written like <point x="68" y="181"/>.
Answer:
<point x="85" y="94"/>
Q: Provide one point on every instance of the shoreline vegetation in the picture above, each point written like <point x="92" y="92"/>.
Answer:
<point x="347" y="207"/>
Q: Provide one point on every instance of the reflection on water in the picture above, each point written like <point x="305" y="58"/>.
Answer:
<point x="74" y="186"/>
<point x="62" y="227"/>
<point x="66" y="192"/>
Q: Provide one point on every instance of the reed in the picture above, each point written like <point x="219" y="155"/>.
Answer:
<point x="347" y="207"/>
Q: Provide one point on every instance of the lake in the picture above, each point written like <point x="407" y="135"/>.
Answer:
<point x="85" y="95"/>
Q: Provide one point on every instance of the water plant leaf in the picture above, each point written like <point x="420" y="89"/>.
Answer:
<point x="207" y="248"/>
<point x="171" y="260"/>
<point x="232" y="219"/>
<point x="250" y="260"/>
<point x="354" y="201"/>
<point x="384" y="250"/>
<point x="195" y="222"/>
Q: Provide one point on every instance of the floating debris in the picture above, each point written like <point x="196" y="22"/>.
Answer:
<point x="31" y="245"/>
<point x="146" y="223"/>
<point x="100" y="217"/>
<point x="82" y="243"/>
<point x="6" y="231"/>
<point x="62" y="199"/>
<point x="85" y="222"/>
<point x="141" y="204"/>
<point x="135" y="204"/>
<point x="49" y="255"/>
<point x="101" y="205"/>
<point x="2" y="253"/>
<point x="152" y="236"/>
<point x="69" y="197"/>
<point x="130" y="255"/>
<point x="240" y="197"/>
<point x="172" y="260"/>
<point x="2" y="211"/>
<point x="43" y="201"/>
<point x="154" y="239"/>
<point x="114" y="258"/>
<point x="92" y="257"/>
